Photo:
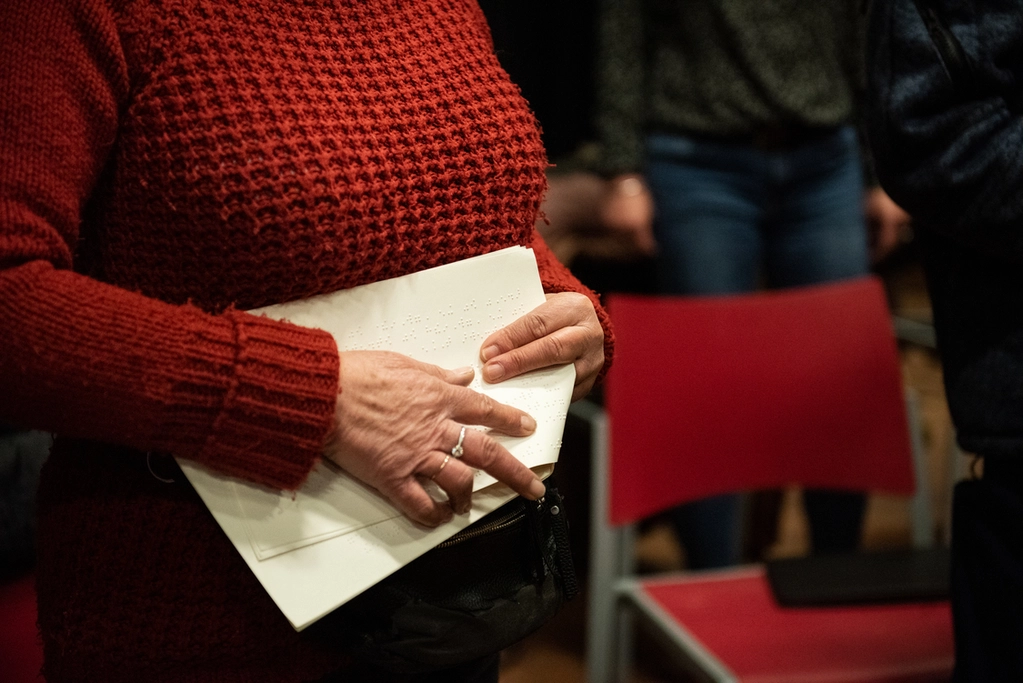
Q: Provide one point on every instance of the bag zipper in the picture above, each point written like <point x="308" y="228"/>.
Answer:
<point x="503" y="522"/>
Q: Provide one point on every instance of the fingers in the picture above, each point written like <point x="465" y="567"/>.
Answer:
<point x="397" y="420"/>
<point x="455" y="477"/>
<point x="484" y="453"/>
<point x="563" y="330"/>
<point x="479" y="451"/>
<point x="561" y="347"/>
<point x="409" y="496"/>
<point x="537" y="324"/>
<point x="587" y="370"/>
<point x="471" y="407"/>
<point x="455" y="474"/>
<point x="457" y="481"/>
<point x="459" y="376"/>
<point x="413" y="500"/>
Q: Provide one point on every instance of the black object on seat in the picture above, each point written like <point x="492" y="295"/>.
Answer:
<point x="853" y="578"/>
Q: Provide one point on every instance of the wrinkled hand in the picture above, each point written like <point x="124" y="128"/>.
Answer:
<point x="397" y="419"/>
<point x="563" y="330"/>
<point x="888" y="224"/>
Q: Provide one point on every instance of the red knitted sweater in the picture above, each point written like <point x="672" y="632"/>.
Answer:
<point x="164" y="166"/>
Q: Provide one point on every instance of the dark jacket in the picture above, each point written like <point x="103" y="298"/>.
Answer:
<point x="944" y="123"/>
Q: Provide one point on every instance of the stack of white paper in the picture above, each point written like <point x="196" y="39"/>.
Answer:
<point x="334" y="538"/>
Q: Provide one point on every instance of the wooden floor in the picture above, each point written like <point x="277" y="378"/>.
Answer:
<point x="555" y="654"/>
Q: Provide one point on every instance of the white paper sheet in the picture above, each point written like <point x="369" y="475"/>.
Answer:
<point x="336" y="537"/>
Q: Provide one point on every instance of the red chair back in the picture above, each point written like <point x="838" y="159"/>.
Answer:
<point x="717" y="394"/>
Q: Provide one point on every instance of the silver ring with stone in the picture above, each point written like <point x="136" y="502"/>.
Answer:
<point x="457" y="450"/>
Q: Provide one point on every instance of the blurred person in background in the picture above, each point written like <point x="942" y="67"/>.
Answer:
<point x="732" y="122"/>
<point x="552" y="61"/>
<point x="944" y="113"/>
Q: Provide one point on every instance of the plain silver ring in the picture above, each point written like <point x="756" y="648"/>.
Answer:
<point x="457" y="450"/>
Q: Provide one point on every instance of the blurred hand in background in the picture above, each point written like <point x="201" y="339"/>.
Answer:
<point x="888" y="224"/>
<point x="585" y="214"/>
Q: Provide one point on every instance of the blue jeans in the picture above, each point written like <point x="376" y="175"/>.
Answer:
<point x="731" y="218"/>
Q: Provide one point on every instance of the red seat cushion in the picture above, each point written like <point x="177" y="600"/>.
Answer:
<point x="21" y="653"/>
<point x="734" y="616"/>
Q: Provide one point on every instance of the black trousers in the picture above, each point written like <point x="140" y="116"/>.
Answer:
<point x="986" y="574"/>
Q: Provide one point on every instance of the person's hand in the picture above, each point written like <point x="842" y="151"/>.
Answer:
<point x="563" y="330"/>
<point x="888" y="224"/>
<point x="628" y="208"/>
<point x="397" y="421"/>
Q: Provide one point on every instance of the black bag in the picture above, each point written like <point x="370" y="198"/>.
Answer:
<point x="480" y="591"/>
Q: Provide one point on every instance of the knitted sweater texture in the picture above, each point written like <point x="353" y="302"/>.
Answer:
<point x="164" y="166"/>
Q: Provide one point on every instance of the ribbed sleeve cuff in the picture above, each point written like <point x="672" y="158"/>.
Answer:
<point x="272" y="389"/>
